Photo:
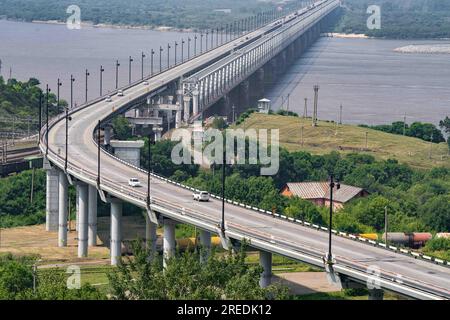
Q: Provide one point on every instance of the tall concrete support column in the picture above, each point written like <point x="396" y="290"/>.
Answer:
<point x="92" y="219"/>
<point x="83" y="194"/>
<point x="62" y="210"/>
<point x="52" y="195"/>
<point x="169" y="240"/>
<point x="195" y="94"/>
<point x="178" y="119"/>
<point x="205" y="243"/>
<point x="376" y="294"/>
<point x="107" y="135"/>
<point x="116" y="231"/>
<point x="150" y="234"/>
<point x="245" y="95"/>
<point x="187" y="108"/>
<point x="265" y="260"/>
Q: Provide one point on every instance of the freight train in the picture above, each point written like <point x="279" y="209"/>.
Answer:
<point x="407" y="239"/>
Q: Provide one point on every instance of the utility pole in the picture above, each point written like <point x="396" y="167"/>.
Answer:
<point x="340" y="114"/>
<point x="287" y="107"/>
<point x="305" y="110"/>
<point x="404" y="125"/>
<point x="431" y="145"/>
<point x="367" y="143"/>
<point x="86" y="94"/>
<point x="40" y="114"/>
<point x="302" y="135"/>
<point x="386" y="224"/>
<point x="201" y="43"/>
<point x="222" y="226"/>
<point x="330" y="226"/>
<point x="316" y="97"/>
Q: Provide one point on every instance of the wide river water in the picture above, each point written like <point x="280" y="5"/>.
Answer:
<point x="372" y="82"/>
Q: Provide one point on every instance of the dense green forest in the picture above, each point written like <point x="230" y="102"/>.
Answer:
<point x="400" y="19"/>
<point x="21" y="100"/>
<point x="424" y="131"/>
<point x="195" y="14"/>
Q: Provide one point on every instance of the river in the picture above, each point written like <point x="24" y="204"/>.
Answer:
<point x="51" y="51"/>
<point x="373" y="83"/>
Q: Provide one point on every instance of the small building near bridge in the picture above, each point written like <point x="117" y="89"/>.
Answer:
<point x="319" y="193"/>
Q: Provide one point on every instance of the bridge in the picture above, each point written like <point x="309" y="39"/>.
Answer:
<point x="207" y="83"/>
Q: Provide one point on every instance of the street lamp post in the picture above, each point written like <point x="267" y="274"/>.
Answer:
<point x="168" y="55"/>
<point x="47" y="91"/>
<point x="222" y="226"/>
<point x="201" y="43"/>
<point x="72" y="80"/>
<point x="130" y="60"/>
<point x="206" y="41"/>
<point x="86" y="88"/>
<point x="151" y="61"/>
<point x="195" y="45"/>
<point x="182" y="50"/>
<point x="149" y="169"/>
<point x="175" y="49"/>
<point x="189" y="48"/>
<point x="101" y="80"/>
<point x="59" y="84"/>
<point x="117" y="73"/>
<point x="330" y="227"/>
<point x="160" y="58"/>
<point x="142" y="64"/>
<point x="98" y="153"/>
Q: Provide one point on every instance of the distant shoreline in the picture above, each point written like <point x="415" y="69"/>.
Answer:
<point x="89" y="24"/>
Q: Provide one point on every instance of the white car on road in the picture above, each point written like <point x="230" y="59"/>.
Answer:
<point x="201" y="196"/>
<point x="120" y="93"/>
<point x="134" y="182"/>
<point x="108" y="99"/>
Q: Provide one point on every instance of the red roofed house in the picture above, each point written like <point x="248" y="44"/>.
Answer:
<point x="319" y="193"/>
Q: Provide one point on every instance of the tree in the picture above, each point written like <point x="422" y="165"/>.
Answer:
<point x="121" y="128"/>
<point x="436" y="213"/>
<point x="185" y="277"/>
<point x="304" y="210"/>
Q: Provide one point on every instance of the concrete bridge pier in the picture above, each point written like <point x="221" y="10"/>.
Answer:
<point x="107" y="132"/>
<point x="83" y="195"/>
<point x="265" y="260"/>
<point x="376" y="294"/>
<point x="195" y="108"/>
<point x="92" y="217"/>
<point x="205" y="245"/>
<point x="116" y="231"/>
<point x="187" y="108"/>
<point x="168" y="240"/>
<point x="178" y="116"/>
<point x="52" y="204"/>
<point x="244" y="98"/>
<point x="62" y="209"/>
<point x="150" y="234"/>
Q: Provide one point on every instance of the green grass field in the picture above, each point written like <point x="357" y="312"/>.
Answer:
<point x="329" y="136"/>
